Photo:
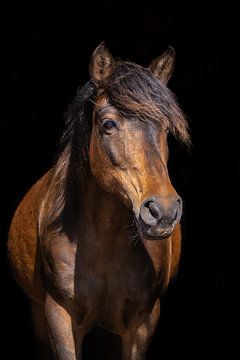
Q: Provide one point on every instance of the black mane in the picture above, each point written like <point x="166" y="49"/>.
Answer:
<point x="135" y="92"/>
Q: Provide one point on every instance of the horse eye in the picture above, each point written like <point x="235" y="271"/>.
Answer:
<point x="109" y="124"/>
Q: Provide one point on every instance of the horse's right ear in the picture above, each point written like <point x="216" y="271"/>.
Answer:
<point x="101" y="64"/>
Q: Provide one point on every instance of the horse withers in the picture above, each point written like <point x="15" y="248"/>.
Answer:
<point x="96" y="240"/>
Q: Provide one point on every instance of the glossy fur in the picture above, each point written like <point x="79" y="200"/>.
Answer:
<point x="96" y="240"/>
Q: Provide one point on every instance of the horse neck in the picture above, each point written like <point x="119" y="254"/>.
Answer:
<point x="102" y="213"/>
<point x="107" y="223"/>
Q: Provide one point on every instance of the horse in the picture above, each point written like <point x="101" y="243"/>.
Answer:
<point x="96" y="241"/>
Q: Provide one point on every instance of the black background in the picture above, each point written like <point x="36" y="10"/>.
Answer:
<point x="45" y="53"/>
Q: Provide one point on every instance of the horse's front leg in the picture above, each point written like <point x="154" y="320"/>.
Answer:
<point x="136" y="342"/>
<point x="61" y="332"/>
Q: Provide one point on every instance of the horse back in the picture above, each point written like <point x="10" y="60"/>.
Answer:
<point x="23" y="244"/>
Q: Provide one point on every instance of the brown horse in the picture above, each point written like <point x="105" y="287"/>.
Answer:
<point x="96" y="240"/>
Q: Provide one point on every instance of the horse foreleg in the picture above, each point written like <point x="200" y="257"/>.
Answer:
<point x="39" y="324"/>
<point x="61" y="332"/>
<point x="136" y="342"/>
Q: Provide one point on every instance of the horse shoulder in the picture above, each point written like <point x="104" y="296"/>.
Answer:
<point x="23" y="239"/>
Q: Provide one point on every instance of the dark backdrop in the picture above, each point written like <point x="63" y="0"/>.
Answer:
<point x="45" y="53"/>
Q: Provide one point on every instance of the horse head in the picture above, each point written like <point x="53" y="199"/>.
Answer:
<point x="133" y="113"/>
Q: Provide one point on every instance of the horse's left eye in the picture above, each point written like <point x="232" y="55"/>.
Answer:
<point x="108" y="125"/>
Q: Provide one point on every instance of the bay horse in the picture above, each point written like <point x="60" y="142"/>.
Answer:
<point x="96" y="241"/>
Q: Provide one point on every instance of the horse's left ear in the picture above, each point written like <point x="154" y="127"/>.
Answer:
<point x="163" y="66"/>
<point x="101" y="63"/>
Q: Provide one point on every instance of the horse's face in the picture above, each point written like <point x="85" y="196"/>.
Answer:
<point x="128" y="157"/>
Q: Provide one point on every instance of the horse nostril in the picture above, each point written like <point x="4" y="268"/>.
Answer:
<point x="150" y="212"/>
<point x="179" y="201"/>
<point x="154" y="210"/>
<point x="179" y="209"/>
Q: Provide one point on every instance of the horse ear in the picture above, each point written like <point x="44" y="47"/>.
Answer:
<point x="163" y="66"/>
<point x="101" y="63"/>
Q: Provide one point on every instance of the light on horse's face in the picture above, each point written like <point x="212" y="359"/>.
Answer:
<point x="129" y="159"/>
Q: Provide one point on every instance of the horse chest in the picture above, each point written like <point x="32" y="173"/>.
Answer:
<point x="115" y="297"/>
<point x="112" y="292"/>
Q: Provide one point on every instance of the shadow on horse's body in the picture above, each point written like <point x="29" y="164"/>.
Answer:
<point x="97" y="239"/>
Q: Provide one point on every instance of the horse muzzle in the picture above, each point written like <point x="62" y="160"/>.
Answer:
<point x="159" y="215"/>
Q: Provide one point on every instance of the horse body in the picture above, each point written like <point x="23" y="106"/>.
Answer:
<point x="23" y="240"/>
<point x="80" y="254"/>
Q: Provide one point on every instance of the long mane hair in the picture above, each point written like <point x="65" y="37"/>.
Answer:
<point x="136" y="93"/>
